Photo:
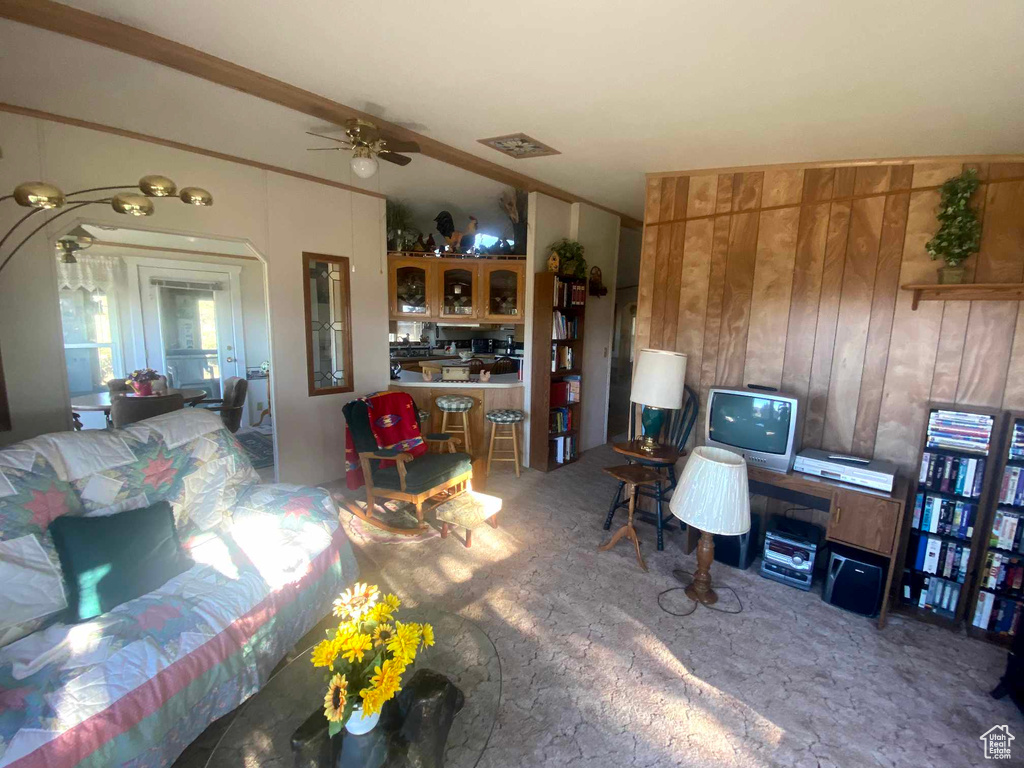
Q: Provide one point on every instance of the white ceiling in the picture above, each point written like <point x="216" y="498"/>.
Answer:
<point x="624" y="89"/>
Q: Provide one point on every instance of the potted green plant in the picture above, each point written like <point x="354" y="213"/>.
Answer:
<point x="569" y="254"/>
<point x="959" y="233"/>
<point x="400" y="227"/>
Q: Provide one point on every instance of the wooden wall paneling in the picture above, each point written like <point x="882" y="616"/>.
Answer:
<point x="703" y="196"/>
<point x="1005" y="171"/>
<point x="854" y="317"/>
<point x="723" y="203"/>
<point x="828" y="315"/>
<point x="812" y="234"/>
<point x="883" y="306"/>
<point x="845" y="178"/>
<point x="990" y="328"/>
<point x="871" y="180"/>
<point x="771" y="296"/>
<point x="934" y="174"/>
<point x="670" y="309"/>
<point x="746" y="191"/>
<point x="645" y="288"/>
<point x="1013" y="395"/>
<point x="693" y="296"/>
<point x="660" y="289"/>
<point x="652" y="202"/>
<point x="713" y="318"/>
<point x="818" y="185"/>
<point x="739" y="284"/>
<point x="782" y="187"/>
<point x="908" y="374"/>
<point x="668" y="199"/>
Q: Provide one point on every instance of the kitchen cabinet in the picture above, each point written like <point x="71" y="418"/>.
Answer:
<point x="456" y="290"/>
<point x="412" y="289"/>
<point x="504" y="291"/>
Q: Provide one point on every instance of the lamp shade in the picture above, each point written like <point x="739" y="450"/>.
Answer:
<point x="658" y="379"/>
<point x="712" y="494"/>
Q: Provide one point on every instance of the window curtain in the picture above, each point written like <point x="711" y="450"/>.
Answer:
<point x="92" y="272"/>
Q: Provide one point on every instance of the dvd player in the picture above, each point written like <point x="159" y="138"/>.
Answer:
<point x="870" y="473"/>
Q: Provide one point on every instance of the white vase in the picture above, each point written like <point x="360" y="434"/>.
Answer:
<point x="357" y="724"/>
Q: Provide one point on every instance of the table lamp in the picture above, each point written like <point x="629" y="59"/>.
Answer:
<point x="712" y="497"/>
<point x="657" y="386"/>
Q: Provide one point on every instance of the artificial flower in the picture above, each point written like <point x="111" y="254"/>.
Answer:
<point x="353" y="648"/>
<point x="325" y="652"/>
<point x="382" y="635"/>
<point x="403" y="644"/>
<point x="380" y="613"/>
<point x="387" y="678"/>
<point x="427" y="632"/>
<point x="334" y="701"/>
<point x="393" y="602"/>
<point x="354" y="602"/>
<point x="373" y="701"/>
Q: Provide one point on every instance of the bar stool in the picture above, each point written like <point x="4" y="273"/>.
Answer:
<point x="501" y="418"/>
<point x="455" y="405"/>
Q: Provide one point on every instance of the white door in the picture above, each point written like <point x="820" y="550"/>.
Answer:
<point x="192" y="326"/>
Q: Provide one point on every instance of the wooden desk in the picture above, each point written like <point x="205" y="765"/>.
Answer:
<point x="860" y="518"/>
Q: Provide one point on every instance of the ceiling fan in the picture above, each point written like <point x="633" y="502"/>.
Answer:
<point x="367" y="143"/>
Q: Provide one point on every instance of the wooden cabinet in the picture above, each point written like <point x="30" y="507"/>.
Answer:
<point x="412" y="285"/>
<point x="458" y="285"/>
<point x="504" y="292"/>
<point x="453" y="290"/>
<point x="863" y="520"/>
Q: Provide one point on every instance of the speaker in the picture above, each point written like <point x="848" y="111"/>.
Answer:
<point x="854" y="581"/>
<point x="739" y="551"/>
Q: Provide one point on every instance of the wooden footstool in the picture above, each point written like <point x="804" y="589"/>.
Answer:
<point x="468" y="510"/>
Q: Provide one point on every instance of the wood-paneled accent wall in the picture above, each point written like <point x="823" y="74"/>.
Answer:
<point x="790" y="277"/>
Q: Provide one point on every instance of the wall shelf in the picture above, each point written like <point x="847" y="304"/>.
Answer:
<point x="965" y="292"/>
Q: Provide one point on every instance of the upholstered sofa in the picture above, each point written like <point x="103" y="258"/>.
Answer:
<point x="137" y="684"/>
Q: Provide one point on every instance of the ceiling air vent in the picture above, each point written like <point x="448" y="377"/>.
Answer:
<point x="519" y="146"/>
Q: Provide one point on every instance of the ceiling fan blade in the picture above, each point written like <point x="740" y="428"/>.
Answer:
<point x="409" y="147"/>
<point x="391" y="157"/>
<point x="329" y="138"/>
<point x="325" y="149"/>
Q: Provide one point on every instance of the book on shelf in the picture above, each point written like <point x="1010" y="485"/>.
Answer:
<point x="560" y="420"/>
<point x="1017" y="441"/>
<point x="1011" y="489"/>
<point x="562" y="358"/>
<point x="564" y="448"/>
<point x="939" y="557"/>
<point x="564" y="328"/>
<point x="1007" y="531"/>
<point x="559" y="394"/>
<point x="931" y="593"/>
<point x="934" y="514"/>
<point x="958" y="476"/>
<point x="574" y="382"/>
<point x="1003" y="573"/>
<point x="569" y="294"/>
<point x="960" y="431"/>
<point x="997" y="614"/>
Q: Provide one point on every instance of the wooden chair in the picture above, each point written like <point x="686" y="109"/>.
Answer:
<point x="128" y="410"/>
<point x="504" y="365"/>
<point x="475" y="365"/>
<point x="232" y="405"/>
<point x="412" y="479"/>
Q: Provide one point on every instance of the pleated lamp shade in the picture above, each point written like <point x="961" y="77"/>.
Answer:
<point x="712" y="494"/>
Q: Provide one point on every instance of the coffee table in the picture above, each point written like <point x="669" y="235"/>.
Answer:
<point x="260" y="735"/>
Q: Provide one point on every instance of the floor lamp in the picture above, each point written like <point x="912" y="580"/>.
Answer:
<point x="712" y="496"/>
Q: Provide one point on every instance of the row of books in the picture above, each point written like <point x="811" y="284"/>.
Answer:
<point x="931" y="592"/>
<point x="934" y="514"/>
<point x="565" y="391"/>
<point x="997" y="614"/>
<point x="564" y="448"/>
<point x="1012" y="489"/>
<point x="560" y="420"/>
<point x="1007" y="531"/>
<point x="942" y="558"/>
<point x="569" y="294"/>
<point x="564" y="327"/>
<point x="949" y="474"/>
<point x="562" y="358"/>
<point x="1003" y="573"/>
<point x="1017" y="441"/>
<point x="959" y="431"/>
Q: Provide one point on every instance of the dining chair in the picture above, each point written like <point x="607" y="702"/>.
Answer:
<point x="504" y="365"/>
<point x="232" y="405"/>
<point x="128" y="410"/>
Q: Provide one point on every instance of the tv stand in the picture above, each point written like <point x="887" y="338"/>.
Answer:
<point x="861" y="518"/>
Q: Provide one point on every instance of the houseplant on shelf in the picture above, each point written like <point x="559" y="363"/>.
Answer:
<point x="400" y="228"/>
<point x="570" y="259"/>
<point x="959" y="233"/>
<point x="142" y="381"/>
<point x="365" y="657"/>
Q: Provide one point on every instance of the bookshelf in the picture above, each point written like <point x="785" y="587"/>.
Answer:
<point x="946" y="520"/>
<point x="556" y="410"/>
<point x="997" y="599"/>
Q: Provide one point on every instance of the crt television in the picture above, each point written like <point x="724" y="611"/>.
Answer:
<point x="760" y="425"/>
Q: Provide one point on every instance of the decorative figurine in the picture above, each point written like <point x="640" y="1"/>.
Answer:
<point x="596" y="286"/>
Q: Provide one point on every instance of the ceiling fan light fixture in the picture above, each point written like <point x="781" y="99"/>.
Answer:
<point x="363" y="163"/>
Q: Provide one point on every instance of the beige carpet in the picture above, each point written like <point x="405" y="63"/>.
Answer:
<point x="596" y="675"/>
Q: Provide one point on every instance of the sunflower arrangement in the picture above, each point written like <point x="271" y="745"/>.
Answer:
<point x="366" y="656"/>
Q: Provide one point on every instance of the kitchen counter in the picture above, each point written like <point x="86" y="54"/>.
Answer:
<point x="415" y="379"/>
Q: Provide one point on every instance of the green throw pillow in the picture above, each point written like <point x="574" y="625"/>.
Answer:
<point x="112" y="559"/>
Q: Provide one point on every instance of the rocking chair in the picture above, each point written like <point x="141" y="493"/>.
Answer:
<point x="412" y="479"/>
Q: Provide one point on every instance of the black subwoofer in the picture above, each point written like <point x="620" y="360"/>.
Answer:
<point x="739" y="551"/>
<point x="854" y="581"/>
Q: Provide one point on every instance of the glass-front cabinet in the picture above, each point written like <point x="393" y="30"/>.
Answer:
<point x="458" y="283"/>
<point x="504" y="291"/>
<point x="411" y="288"/>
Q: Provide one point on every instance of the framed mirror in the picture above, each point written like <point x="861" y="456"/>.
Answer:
<point x="328" y="307"/>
